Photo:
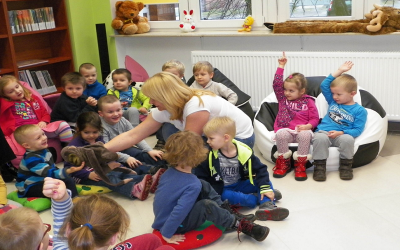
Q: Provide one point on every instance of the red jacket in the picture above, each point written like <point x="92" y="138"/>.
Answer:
<point x="7" y="121"/>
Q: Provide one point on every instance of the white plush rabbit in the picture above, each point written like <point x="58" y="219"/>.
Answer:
<point x="187" y="25"/>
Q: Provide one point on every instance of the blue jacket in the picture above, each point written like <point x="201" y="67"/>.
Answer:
<point x="249" y="165"/>
<point x="95" y="90"/>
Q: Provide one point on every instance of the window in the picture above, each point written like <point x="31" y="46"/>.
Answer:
<point x="231" y="13"/>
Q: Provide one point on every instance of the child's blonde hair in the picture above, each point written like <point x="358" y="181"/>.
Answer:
<point x="74" y="78"/>
<point x="348" y="82"/>
<point x="19" y="229"/>
<point x="220" y="125"/>
<point x="7" y="79"/>
<point x="185" y="148"/>
<point x="168" y="89"/>
<point x="174" y="64"/>
<point x="93" y="221"/>
<point x="203" y="65"/>
<point x="86" y="66"/>
<point x="107" y="99"/>
<point x="298" y="79"/>
<point x="21" y="132"/>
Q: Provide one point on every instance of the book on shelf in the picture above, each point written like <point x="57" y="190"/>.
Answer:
<point x="11" y="18"/>
<point x="51" y="86"/>
<point x="39" y="15"/>
<point x="27" y="20"/>
<point x="26" y="63"/>
<point x="20" y="21"/>
<point x="34" y="21"/>
<point x="23" y="77"/>
<point x="48" y="13"/>
<point x="39" y="80"/>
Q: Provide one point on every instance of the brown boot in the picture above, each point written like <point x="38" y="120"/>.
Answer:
<point x="319" y="170"/>
<point x="345" y="169"/>
<point x="300" y="166"/>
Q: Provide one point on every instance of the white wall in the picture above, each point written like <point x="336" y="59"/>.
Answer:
<point x="152" y="52"/>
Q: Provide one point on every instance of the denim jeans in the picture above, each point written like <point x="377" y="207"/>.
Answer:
<point x="243" y="193"/>
<point x="115" y="177"/>
<point x="144" y="157"/>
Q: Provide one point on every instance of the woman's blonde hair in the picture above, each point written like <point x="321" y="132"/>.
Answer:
<point x="185" y="148"/>
<point x="7" y="79"/>
<point x="106" y="218"/>
<point x="168" y="89"/>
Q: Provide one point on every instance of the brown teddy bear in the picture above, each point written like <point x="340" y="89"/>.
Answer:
<point x="380" y="20"/>
<point x="127" y="20"/>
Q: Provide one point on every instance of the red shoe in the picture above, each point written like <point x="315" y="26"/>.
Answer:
<point x="300" y="166"/>
<point x="156" y="179"/>
<point x="141" y="190"/>
<point x="282" y="166"/>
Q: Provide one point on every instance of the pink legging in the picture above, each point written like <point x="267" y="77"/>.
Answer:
<point x="284" y="137"/>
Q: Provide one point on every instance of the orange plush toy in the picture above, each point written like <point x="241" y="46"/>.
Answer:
<point x="380" y="20"/>
<point x="127" y="20"/>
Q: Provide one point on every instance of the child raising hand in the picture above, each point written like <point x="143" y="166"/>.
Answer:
<point x="296" y="118"/>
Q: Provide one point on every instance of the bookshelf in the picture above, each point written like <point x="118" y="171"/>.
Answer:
<point x="52" y="45"/>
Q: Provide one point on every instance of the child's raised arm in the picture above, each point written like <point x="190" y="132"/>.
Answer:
<point x="55" y="189"/>
<point x="343" y="68"/>
<point x="282" y="61"/>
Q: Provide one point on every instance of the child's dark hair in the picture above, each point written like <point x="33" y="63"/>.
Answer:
<point x="185" y="148"/>
<point x="89" y="118"/>
<point x="122" y="71"/>
<point x="86" y="66"/>
<point x="74" y="78"/>
<point x="298" y="79"/>
<point x="93" y="221"/>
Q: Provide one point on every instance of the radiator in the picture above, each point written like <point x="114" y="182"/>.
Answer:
<point x="253" y="71"/>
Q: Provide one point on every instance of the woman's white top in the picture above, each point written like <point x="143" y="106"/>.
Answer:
<point x="217" y="107"/>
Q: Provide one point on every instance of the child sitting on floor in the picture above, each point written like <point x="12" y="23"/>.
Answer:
<point x="38" y="163"/>
<point x="230" y="168"/>
<point x="136" y="185"/>
<point x="182" y="202"/>
<point x="110" y="111"/>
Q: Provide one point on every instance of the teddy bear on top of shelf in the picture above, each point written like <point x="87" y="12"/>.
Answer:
<point x="127" y="20"/>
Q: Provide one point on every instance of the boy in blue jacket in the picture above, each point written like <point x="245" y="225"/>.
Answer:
<point x="230" y="168"/>
<point x="93" y="87"/>
<point x="344" y="121"/>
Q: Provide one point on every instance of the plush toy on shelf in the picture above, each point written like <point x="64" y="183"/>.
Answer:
<point x="127" y="20"/>
<point x="379" y="21"/>
<point x="187" y="25"/>
<point x="247" y="24"/>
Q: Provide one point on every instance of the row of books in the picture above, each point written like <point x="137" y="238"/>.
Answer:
<point x="31" y="20"/>
<point x="39" y="80"/>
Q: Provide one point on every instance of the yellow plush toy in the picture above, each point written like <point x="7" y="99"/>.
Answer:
<point x="247" y="24"/>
